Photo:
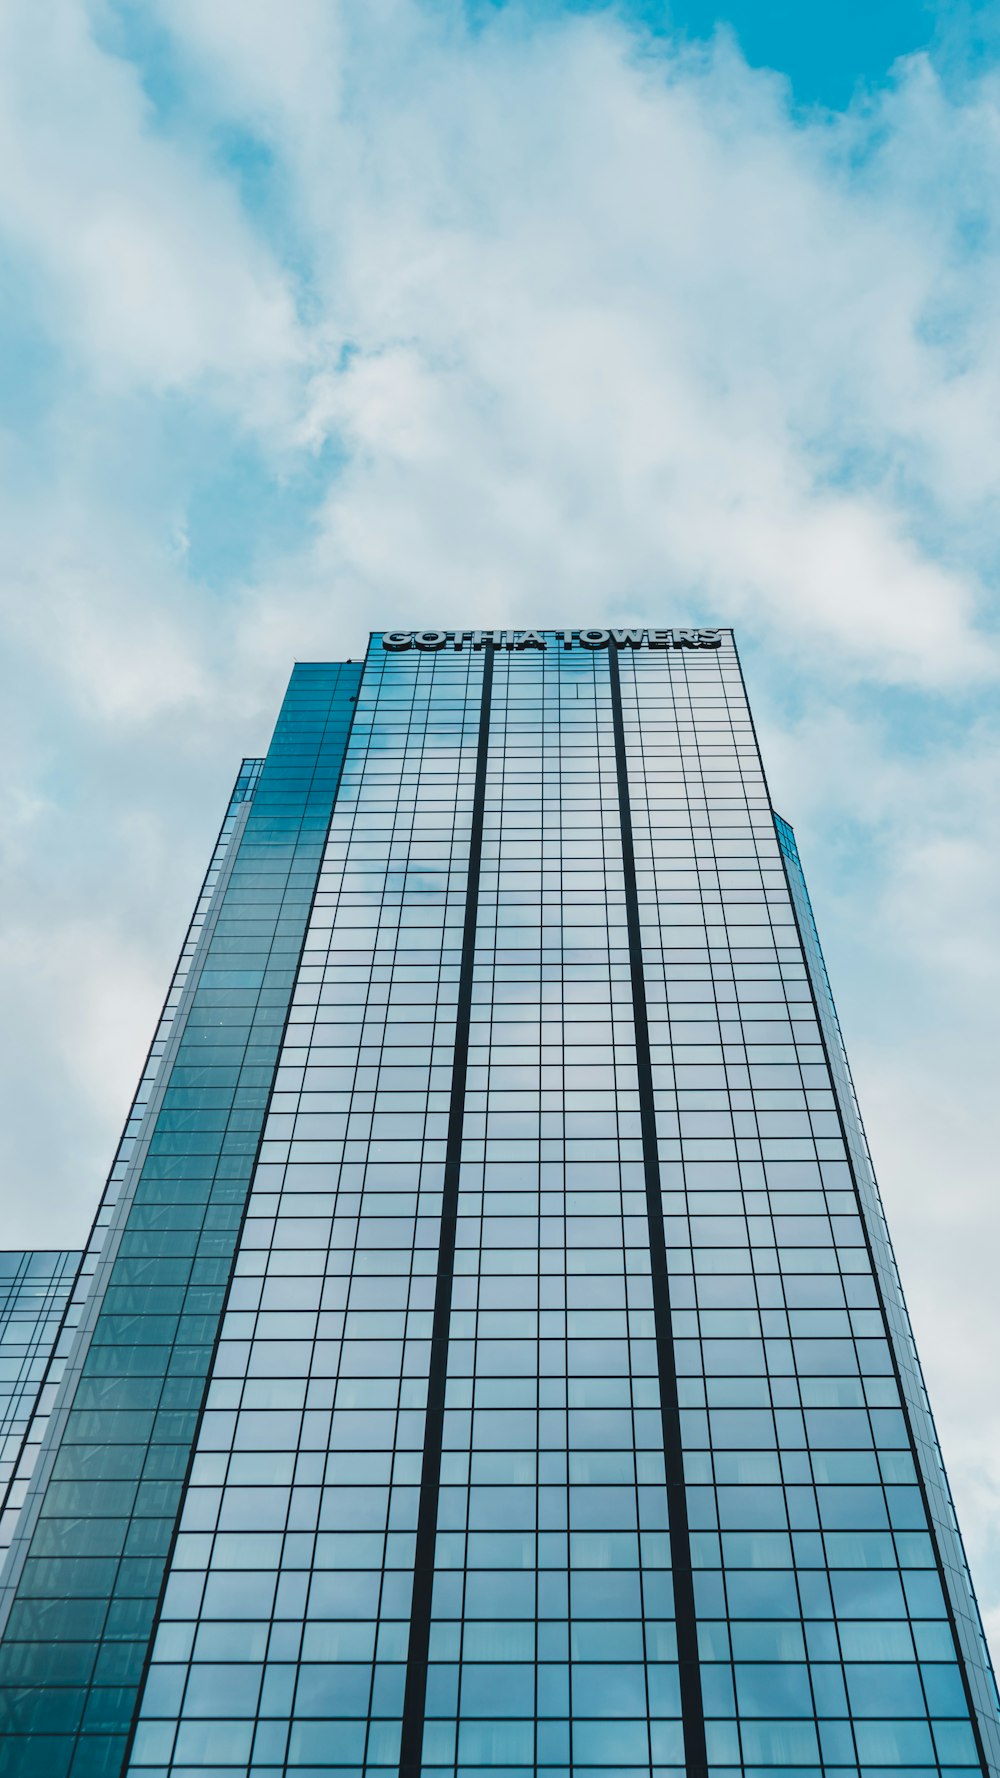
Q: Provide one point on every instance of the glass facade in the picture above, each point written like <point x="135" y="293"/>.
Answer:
<point x="34" y="1293"/>
<point x="496" y="1362"/>
<point x="20" y="1465"/>
<point x="87" y="1563"/>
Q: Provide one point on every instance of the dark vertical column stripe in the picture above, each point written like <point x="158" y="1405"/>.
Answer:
<point x="692" y="1709"/>
<point x="411" y="1744"/>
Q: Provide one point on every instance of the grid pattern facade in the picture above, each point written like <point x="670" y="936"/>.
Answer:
<point x="562" y="1414"/>
<point x="34" y="1291"/>
<point x="489" y="1451"/>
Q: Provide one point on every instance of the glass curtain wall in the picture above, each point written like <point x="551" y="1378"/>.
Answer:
<point x="960" y="1596"/>
<point x="826" y="1636"/>
<point x="556" y="1423"/>
<point x="34" y="1291"/>
<point x="285" y="1624"/>
<point x="20" y="1459"/>
<point x="553" y="1635"/>
<point x="96" y="1533"/>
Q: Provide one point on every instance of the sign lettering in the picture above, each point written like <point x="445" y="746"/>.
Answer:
<point x="429" y="641"/>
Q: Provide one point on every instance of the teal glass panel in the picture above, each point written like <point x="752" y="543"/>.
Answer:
<point x="20" y="1460"/>
<point x="102" y="1525"/>
<point x="35" y="1290"/>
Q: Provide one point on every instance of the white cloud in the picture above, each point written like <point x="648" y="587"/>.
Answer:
<point x="124" y="658"/>
<point x="900" y="836"/>
<point x="154" y="274"/>
<point x="620" y="326"/>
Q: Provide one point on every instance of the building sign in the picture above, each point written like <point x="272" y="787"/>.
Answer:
<point x="429" y="640"/>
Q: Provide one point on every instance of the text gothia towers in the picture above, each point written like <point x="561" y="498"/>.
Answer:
<point x="494" y="1360"/>
<point x="429" y="641"/>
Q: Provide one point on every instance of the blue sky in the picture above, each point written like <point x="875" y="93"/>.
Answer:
<point x="825" y="47"/>
<point x="830" y="51"/>
<point x="318" y="316"/>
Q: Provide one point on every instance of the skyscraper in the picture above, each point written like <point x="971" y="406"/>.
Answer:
<point x="492" y="1358"/>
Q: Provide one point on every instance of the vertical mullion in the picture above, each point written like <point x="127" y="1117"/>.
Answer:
<point x="692" y="1708"/>
<point x="411" y="1742"/>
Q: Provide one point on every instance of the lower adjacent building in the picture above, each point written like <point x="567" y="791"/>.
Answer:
<point x="489" y="1356"/>
<point x="35" y="1290"/>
